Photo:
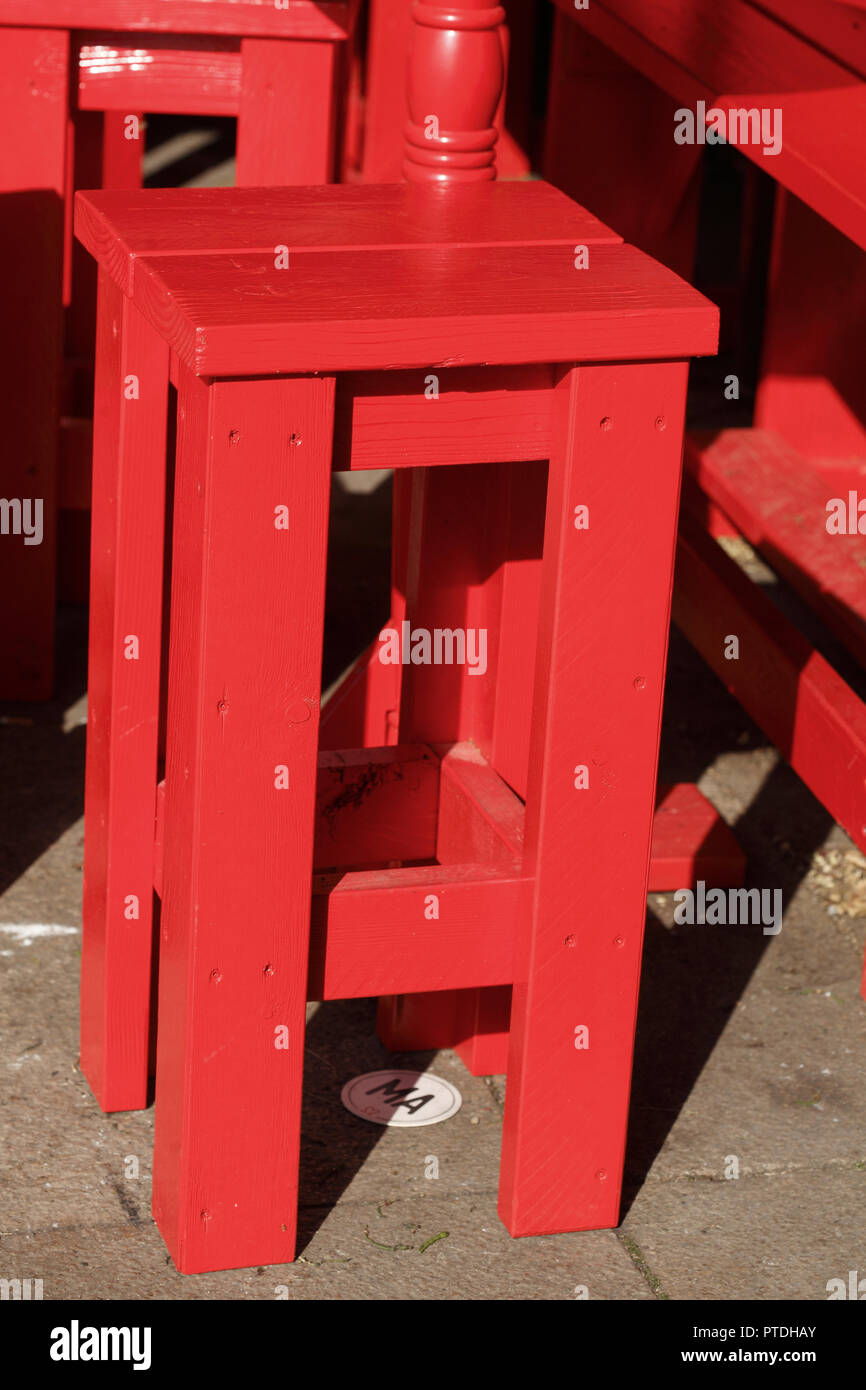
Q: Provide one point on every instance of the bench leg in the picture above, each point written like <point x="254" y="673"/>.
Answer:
<point x="597" y="707"/>
<point x="123" y="700"/>
<point x="247" y="615"/>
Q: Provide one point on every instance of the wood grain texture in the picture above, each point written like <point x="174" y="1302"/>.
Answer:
<point x="287" y="116"/>
<point x="373" y="932"/>
<point x="247" y="619"/>
<point x="117" y="229"/>
<point x="811" y="389"/>
<point x="123" y="702"/>
<point x="303" y="19"/>
<point x="347" y="311"/>
<point x="597" y="706"/>
<point x="33" y="170"/>
<point x="778" y="501"/>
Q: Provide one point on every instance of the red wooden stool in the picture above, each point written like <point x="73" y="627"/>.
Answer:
<point x="283" y="374"/>
<point x="73" y="71"/>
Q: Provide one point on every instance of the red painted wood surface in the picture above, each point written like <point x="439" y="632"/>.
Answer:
<point x="243" y="684"/>
<point x="121" y="155"/>
<point x="305" y="19"/>
<point x="513" y="594"/>
<point x="631" y="171"/>
<point x="774" y="484"/>
<point x="597" y="707"/>
<point x="390" y="31"/>
<point x="452" y="578"/>
<point x="812" y="389"/>
<point x="487" y="815"/>
<point x="361" y="710"/>
<point x="690" y="841"/>
<point x="101" y="156"/>
<point x="189" y="75"/>
<point x="273" y="68"/>
<point x="375" y="805"/>
<point x="834" y="28"/>
<point x="815" y="719"/>
<point x="456" y="75"/>
<point x="247" y="618"/>
<point x="480" y="415"/>
<point x="286" y="121"/>
<point x="118" y="229"/>
<point x="733" y="56"/>
<point x="778" y="500"/>
<point x="238" y="316"/>
<point x="123" y="696"/>
<point x="32" y="183"/>
<point x="372" y="934"/>
<point x="492" y="215"/>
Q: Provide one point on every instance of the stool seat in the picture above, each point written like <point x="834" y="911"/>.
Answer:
<point x="387" y="276"/>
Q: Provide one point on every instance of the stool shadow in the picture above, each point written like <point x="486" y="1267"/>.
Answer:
<point x="42" y="788"/>
<point x="694" y="976"/>
<point x="340" y="1044"/>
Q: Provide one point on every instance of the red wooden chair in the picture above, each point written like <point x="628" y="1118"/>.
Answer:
<point x="439" y="331"/>
<point x="75" y="73"/>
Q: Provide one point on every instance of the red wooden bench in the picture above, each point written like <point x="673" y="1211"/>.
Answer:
<point x="76" y="76"/>
<point x="632" y="65"/>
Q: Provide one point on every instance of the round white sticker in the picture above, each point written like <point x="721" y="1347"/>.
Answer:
<point x="401" y="1099"/>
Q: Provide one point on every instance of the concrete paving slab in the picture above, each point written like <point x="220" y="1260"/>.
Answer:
<point x="779" y="1236"/>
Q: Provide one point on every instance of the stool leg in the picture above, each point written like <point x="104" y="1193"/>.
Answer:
<point x="247" y="614"/>
<point x="603" y="628"/>
<point x="33" y="119"/>
<point x="123" y="700"/>
<point x="287" y="116"/>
